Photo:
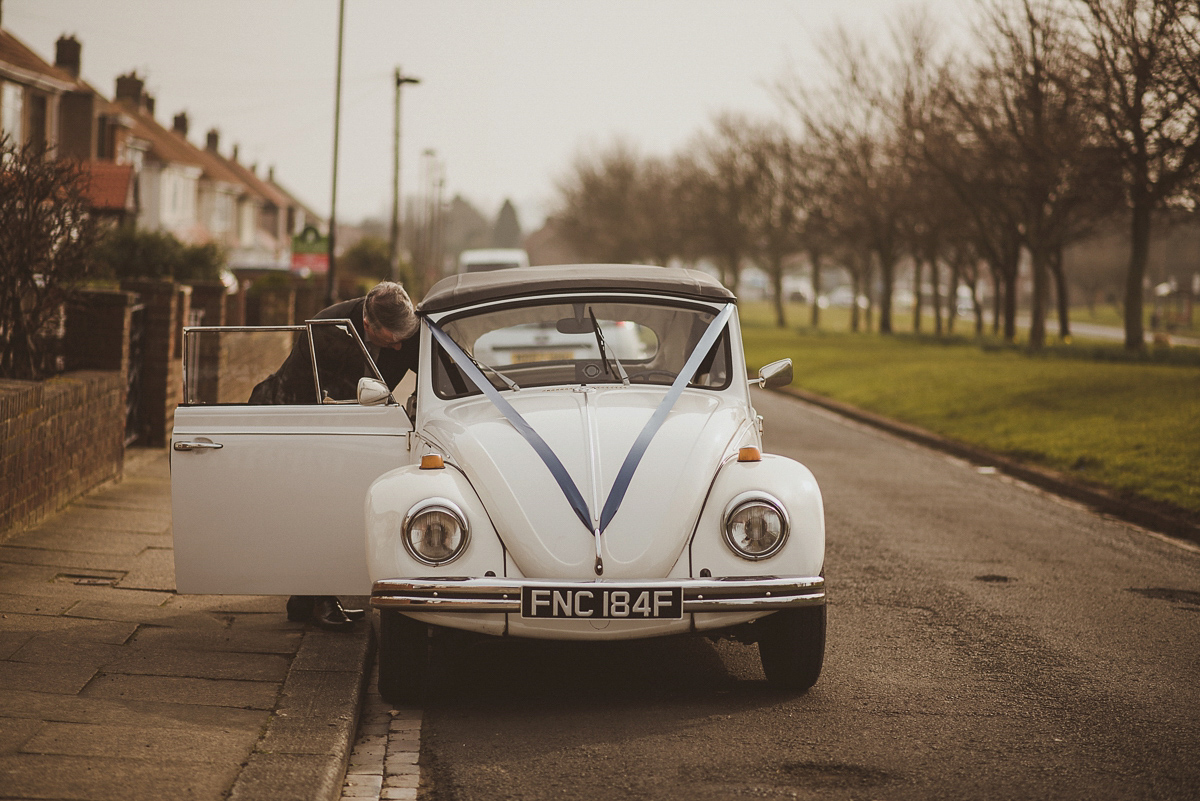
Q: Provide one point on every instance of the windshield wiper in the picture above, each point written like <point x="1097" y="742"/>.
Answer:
<point x="603" y="352"/>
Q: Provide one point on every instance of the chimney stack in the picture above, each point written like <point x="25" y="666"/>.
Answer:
<point x="212" y="140"/>
<point x="271" y="173"/>
<point x="67" y="53"/>
<point x="235" y="152"/>
<point x="129" y="89"/>
<point x="180" y="124"/>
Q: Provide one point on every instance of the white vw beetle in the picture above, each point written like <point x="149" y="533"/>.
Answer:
<point x="616" y="493"/>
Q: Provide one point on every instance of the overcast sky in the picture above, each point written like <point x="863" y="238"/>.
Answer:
<point x="511" y="90"/>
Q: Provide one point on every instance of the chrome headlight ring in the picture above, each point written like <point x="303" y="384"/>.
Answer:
<point x="755" y="525"/>
<point x="435" y="532"/>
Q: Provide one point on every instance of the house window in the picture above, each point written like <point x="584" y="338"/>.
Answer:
<point x="12" y="106"/>
<point x="37" y="120"/>
<point x="224" y="212"/>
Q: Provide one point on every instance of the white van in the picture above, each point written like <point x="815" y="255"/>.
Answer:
<point x="479" y="261"/>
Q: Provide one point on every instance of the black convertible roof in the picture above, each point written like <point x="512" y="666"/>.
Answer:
<point x="469" y="288"/>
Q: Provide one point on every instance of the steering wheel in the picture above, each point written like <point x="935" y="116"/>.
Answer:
<point x="644" y="376"/>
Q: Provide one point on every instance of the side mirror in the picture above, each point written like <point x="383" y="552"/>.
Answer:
<point x="372" y="392"/>
<point x="775" y="374"/>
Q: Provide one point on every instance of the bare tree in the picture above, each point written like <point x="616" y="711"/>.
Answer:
<point x="659" y="208"/>
<point x="598" y="205"/>
<point x="1016" y="142"/>
<point x="818" y="231"/>
<point x="846" y="123"/>
<point x="777" y="209"/>
<point x="715" y="177"/>
<point x="1143" y="63"/>
<point x="47" y="241"/>
<point x="620" y="207"/>
<point x="910" y="100"/>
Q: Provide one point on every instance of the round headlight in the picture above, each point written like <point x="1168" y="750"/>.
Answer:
<point x="435" y="532"/>
<point x="756" y="526"/>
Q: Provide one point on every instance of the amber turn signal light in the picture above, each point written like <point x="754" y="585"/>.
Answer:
<point x="432" y="461"/>
<point x="749" y="454"/>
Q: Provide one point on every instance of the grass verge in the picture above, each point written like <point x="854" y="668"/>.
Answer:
<point x="1131" y="426"/>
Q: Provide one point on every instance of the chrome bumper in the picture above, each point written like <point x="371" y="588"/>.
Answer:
<point x="504" y="595"/>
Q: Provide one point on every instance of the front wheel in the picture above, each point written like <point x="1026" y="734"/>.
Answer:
<point x="791" y="646"/>
<point x="403" y="658"/>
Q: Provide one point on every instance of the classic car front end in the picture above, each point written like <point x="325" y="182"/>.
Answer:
<point x="592" y="498"/>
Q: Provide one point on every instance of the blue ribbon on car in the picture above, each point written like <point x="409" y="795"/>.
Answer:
<point x="616" y="493"/>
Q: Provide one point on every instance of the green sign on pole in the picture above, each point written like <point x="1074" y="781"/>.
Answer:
<point x="310" y="251"/>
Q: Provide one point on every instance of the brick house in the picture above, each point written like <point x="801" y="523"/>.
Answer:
<point x="31" y="92"/>
<point x="298" y="215"/>
<point x="220" y="193"/>
<point x="140" y="170"/>
<point x="266" y="240"/>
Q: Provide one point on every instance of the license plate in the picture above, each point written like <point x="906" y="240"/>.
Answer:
<point x="604" y="603"/>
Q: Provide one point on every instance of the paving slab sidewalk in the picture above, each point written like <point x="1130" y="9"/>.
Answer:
<point x="112" y="686"/>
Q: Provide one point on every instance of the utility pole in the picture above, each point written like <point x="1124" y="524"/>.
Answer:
<point x="394" y="248"/>
<point x="331" y="283"/>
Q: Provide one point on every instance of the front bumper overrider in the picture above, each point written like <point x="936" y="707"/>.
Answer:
<point x="503" y="595"/>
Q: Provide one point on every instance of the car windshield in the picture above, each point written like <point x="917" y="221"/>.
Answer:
<point x="573" y="342"/>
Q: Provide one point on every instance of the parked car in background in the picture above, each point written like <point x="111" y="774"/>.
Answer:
<point x="615" y="492"/>
<point x="485" y="260"/>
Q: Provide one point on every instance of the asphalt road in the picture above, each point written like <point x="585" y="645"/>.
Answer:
<point x="985" y="640"/>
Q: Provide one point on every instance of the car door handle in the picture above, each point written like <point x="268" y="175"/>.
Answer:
<point x="197" y="446"/>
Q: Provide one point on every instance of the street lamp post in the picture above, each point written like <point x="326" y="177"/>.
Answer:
<point x="331" y="283"/>
<point x="394" y="245"/>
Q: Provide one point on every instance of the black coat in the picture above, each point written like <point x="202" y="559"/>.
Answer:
<point x="340" y="362"/>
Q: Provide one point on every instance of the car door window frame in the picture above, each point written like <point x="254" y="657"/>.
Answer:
<point x="191" y="352"/>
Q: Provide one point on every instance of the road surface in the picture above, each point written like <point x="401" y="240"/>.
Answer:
<point x="985" y="640"/>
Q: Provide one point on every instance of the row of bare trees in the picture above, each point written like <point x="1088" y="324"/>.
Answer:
<point x="1059" y="117"/>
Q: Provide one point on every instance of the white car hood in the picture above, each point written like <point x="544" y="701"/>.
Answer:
<point x="591" y="431"/>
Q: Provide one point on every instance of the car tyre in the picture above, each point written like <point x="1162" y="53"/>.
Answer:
<point x="791" y="645"/>
<point x="403" y="658"/>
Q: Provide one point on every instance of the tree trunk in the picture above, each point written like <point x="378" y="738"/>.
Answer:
<point x="858" y="280"/>
<point x="814" y="257"/>
<point x="887" y="274"/>
<point x="1037" y="311"/>
<point x="1010" y="303"/>
<point x="977" y="305"/>
<point x="855" y="288"/>
<point x="952" y="298"/>
<point x="918" y="273"/>
<point x="935" y="300"/>
<point x="868" y="272"/>
<point x="998" y="287"/>
<point x="1135" y="332"/>
<point x="729" y="271"/>
<point x="1060" y="292"/>
<point x="777" y="290"/>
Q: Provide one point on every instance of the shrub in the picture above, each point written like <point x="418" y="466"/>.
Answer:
<point x="47" y="242"/>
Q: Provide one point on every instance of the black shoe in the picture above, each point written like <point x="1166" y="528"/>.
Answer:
<point x="300" y="608"/>
<point x="354" y="614"/>
<point x="329" y="615"/>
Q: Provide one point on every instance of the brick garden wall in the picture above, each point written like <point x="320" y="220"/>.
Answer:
<point x="62" y="436"/>
<point x="167" y="304"/>
<point x="58" y="438"/>
<point x="225" y="367"/>
<point x="246" y="359"/>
